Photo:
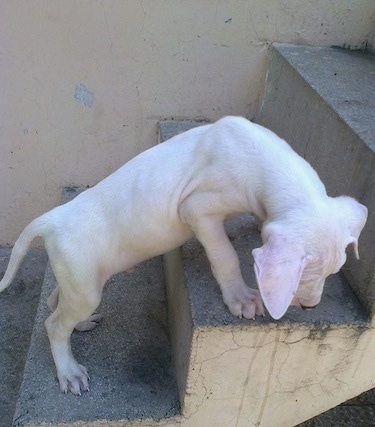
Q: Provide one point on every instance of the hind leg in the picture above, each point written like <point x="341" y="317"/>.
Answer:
<point x="87" y="325"/>
<point x="53" y="299"/>
<point x="72" y="308"/>
<point x="90" y="323"/>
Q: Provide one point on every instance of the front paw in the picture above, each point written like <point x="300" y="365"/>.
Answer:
<point x="74" y="379"/>
<point x="243" y="301"/>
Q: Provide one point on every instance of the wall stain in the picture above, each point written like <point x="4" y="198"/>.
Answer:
<point x="84" y="96"/>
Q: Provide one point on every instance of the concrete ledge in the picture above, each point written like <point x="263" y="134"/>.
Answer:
<point x="235" y="372"/>
<point x="170" y="128"/>
<point x="252" y="373"/>
<point x="128" y="357"/>
<point x="322" y="102"/>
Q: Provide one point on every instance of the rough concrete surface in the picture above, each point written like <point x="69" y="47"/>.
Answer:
<point x="338" y="305"/>
<point x="127" y="356"/>
<point x="17" y="308"/>
<point x="171" y="128"/>
<point x="345" y="79"/>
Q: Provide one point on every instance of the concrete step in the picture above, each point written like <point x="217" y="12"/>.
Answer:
<point x="235" y="372"/>
<point x="18" y="305"/>
<point x="322" y="101"/>
<point x="128" y="357"/>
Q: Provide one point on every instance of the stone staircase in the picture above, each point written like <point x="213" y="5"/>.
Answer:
<point x="168" y="353"/>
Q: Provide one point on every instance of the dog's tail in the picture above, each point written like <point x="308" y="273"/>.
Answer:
<point x="34" y="229"/>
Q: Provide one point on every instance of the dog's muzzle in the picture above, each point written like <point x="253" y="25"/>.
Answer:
<point x="306" y="304"/>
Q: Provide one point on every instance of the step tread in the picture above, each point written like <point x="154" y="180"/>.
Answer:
<point x="170" y="128"/>
<point x="344" y="79"/>
<point x="339" y="305"/>
<point x="128" y="357"/>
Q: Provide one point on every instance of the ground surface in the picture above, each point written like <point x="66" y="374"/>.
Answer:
<point x="18" y="305"/>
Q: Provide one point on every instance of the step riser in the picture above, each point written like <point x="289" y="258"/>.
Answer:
<point x="179" y="319"/>
<point x="257" y="377"/>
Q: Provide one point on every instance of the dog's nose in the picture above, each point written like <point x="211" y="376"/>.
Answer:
<point x="304" y="307"/>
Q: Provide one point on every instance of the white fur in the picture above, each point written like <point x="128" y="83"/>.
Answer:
<point x="191" y="184"/>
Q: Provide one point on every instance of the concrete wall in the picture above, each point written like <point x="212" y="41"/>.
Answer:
<point x="84" y="82"/>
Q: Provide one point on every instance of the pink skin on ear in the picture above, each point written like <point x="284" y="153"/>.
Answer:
<point x="278" y="267"/>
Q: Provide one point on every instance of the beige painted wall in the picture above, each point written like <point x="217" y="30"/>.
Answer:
<point x="84" y="82"/>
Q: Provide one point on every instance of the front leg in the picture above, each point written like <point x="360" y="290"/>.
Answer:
<point x="209" y="229"/>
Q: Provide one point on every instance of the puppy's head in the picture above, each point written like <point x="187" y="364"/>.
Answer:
<point x="292" y="265"/>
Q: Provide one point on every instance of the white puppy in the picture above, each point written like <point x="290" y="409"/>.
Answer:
<point x="190" y="185"/>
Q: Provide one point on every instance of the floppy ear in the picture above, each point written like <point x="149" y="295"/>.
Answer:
<point x="278" y="266"/>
